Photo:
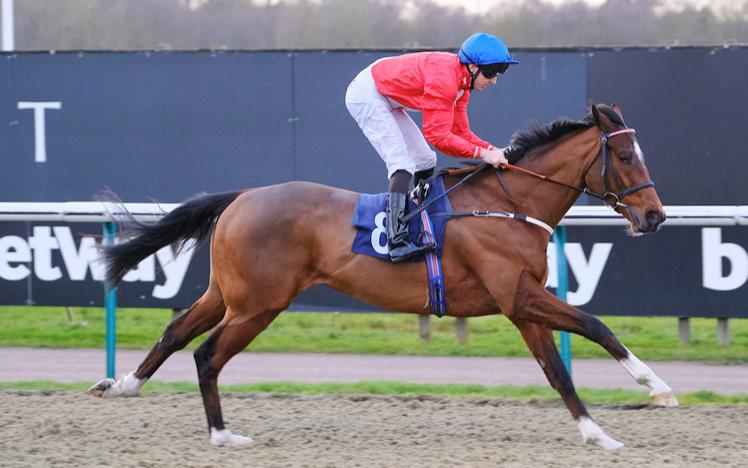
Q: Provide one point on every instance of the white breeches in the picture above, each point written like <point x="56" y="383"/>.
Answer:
<point x="389" y="128"/>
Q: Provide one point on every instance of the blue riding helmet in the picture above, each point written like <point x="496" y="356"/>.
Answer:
<point x="484" y="49"/>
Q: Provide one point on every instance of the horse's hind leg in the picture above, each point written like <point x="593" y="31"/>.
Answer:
<point x="204" y="314"/>
<point x="536" y="304"/>
<point x="228" y="339"/>
<point x="540" y="341"/>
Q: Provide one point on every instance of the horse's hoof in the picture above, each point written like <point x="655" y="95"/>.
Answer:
<point x="126" y="386"/>
<point x="592" y="433"/>
<point x="98" y="389"/>
<point x="224" y="438"/>
<point x="666" y="399"/>
<point x="608" y="443"/>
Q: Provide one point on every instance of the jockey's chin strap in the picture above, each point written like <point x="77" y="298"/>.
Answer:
<point x="473" y="76"/>
<point x="609" y="198"/>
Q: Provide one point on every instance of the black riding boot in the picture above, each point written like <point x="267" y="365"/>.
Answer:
<point x="397" y="230"/>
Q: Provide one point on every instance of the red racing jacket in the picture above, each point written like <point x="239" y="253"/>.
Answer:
<point x="438" y="85"/>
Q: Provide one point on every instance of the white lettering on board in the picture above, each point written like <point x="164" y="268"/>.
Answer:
<point x="42" y="243"/>
<point x="713" y="250"/>
<point x="17" y="255"/>
<point x="14" y="249"/>
<point x="78" y="260"/>
<point x="586" y="272"/>
<point x="174" y="270"/>
<point x="40" y="131"/>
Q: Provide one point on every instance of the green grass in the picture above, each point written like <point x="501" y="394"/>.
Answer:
<point x="650" y="338"/>
<point x="506" y="392"/>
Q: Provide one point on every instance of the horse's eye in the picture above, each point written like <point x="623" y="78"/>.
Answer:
<point x="626" y="157"/>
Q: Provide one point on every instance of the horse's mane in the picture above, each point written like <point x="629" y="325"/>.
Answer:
<point x="531" y="137"/>
<point x="535" y="135"/>
<point x="538" y="134"/>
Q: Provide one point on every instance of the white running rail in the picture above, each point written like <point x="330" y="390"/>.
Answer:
<point x="100" y="212"/>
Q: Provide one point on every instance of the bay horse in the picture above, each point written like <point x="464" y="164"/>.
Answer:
<point x="269" y="244"/>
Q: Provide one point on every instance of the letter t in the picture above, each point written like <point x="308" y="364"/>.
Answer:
<point x="40" y="144"/>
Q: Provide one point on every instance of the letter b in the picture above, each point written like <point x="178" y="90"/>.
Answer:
<point x="712" y="251"/>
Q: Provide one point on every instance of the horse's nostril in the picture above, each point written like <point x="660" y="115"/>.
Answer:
<point x="655" y="217"/>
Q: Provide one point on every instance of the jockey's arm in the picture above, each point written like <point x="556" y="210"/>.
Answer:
<point x="437" y="129"/>
<point x="461" y="124"/>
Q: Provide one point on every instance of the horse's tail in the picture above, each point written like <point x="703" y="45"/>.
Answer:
<point x="194" y="219"/>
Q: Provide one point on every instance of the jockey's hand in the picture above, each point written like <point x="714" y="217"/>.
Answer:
<point x="494" y="156"/>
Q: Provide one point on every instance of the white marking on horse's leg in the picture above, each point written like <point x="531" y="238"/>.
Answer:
<point x="591" y="432"/>
<point x="126" y="386"/>
<point x="224" y="438"/>
<point x="660" y="392"/>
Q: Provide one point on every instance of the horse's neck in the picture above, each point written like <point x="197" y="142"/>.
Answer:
<point x="565" y="161"/>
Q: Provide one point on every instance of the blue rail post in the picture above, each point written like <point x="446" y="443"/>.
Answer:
<point x="110" y="302"/>
<point x="562" y="289"/>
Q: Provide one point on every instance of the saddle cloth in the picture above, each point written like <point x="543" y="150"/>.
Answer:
<point x="370" y="216"/>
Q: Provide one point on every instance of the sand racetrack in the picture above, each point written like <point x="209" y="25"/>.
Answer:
<point x="71" y="429"/>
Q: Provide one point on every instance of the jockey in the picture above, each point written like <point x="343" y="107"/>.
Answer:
<point x="438" y="84"/>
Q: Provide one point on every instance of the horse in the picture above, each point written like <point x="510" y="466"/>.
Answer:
<point x="268" y="244"/>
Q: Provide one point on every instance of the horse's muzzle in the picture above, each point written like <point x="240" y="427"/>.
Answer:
<point x="652" y="221"/>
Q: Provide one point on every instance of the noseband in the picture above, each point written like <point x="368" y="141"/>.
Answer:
<point x="610" y="198"/>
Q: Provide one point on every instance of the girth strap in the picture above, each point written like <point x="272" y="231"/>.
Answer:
<point x="498" y="214"/>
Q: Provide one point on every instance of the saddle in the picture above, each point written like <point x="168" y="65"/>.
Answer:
<point x="370" y="214"/>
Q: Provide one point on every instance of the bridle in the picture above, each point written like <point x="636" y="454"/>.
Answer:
<point x="609" y="198"/>
<point x="613" y="199"/>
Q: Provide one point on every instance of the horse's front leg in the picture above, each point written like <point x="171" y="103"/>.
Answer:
<point x="535" y="304"/>
<point x="540" y="341"/>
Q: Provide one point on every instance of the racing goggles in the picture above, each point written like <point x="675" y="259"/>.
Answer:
<point x="489" y="71"/>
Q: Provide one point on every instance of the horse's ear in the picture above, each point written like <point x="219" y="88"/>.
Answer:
<point x="595" y="113"/>
<point x="618" y="112"/>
